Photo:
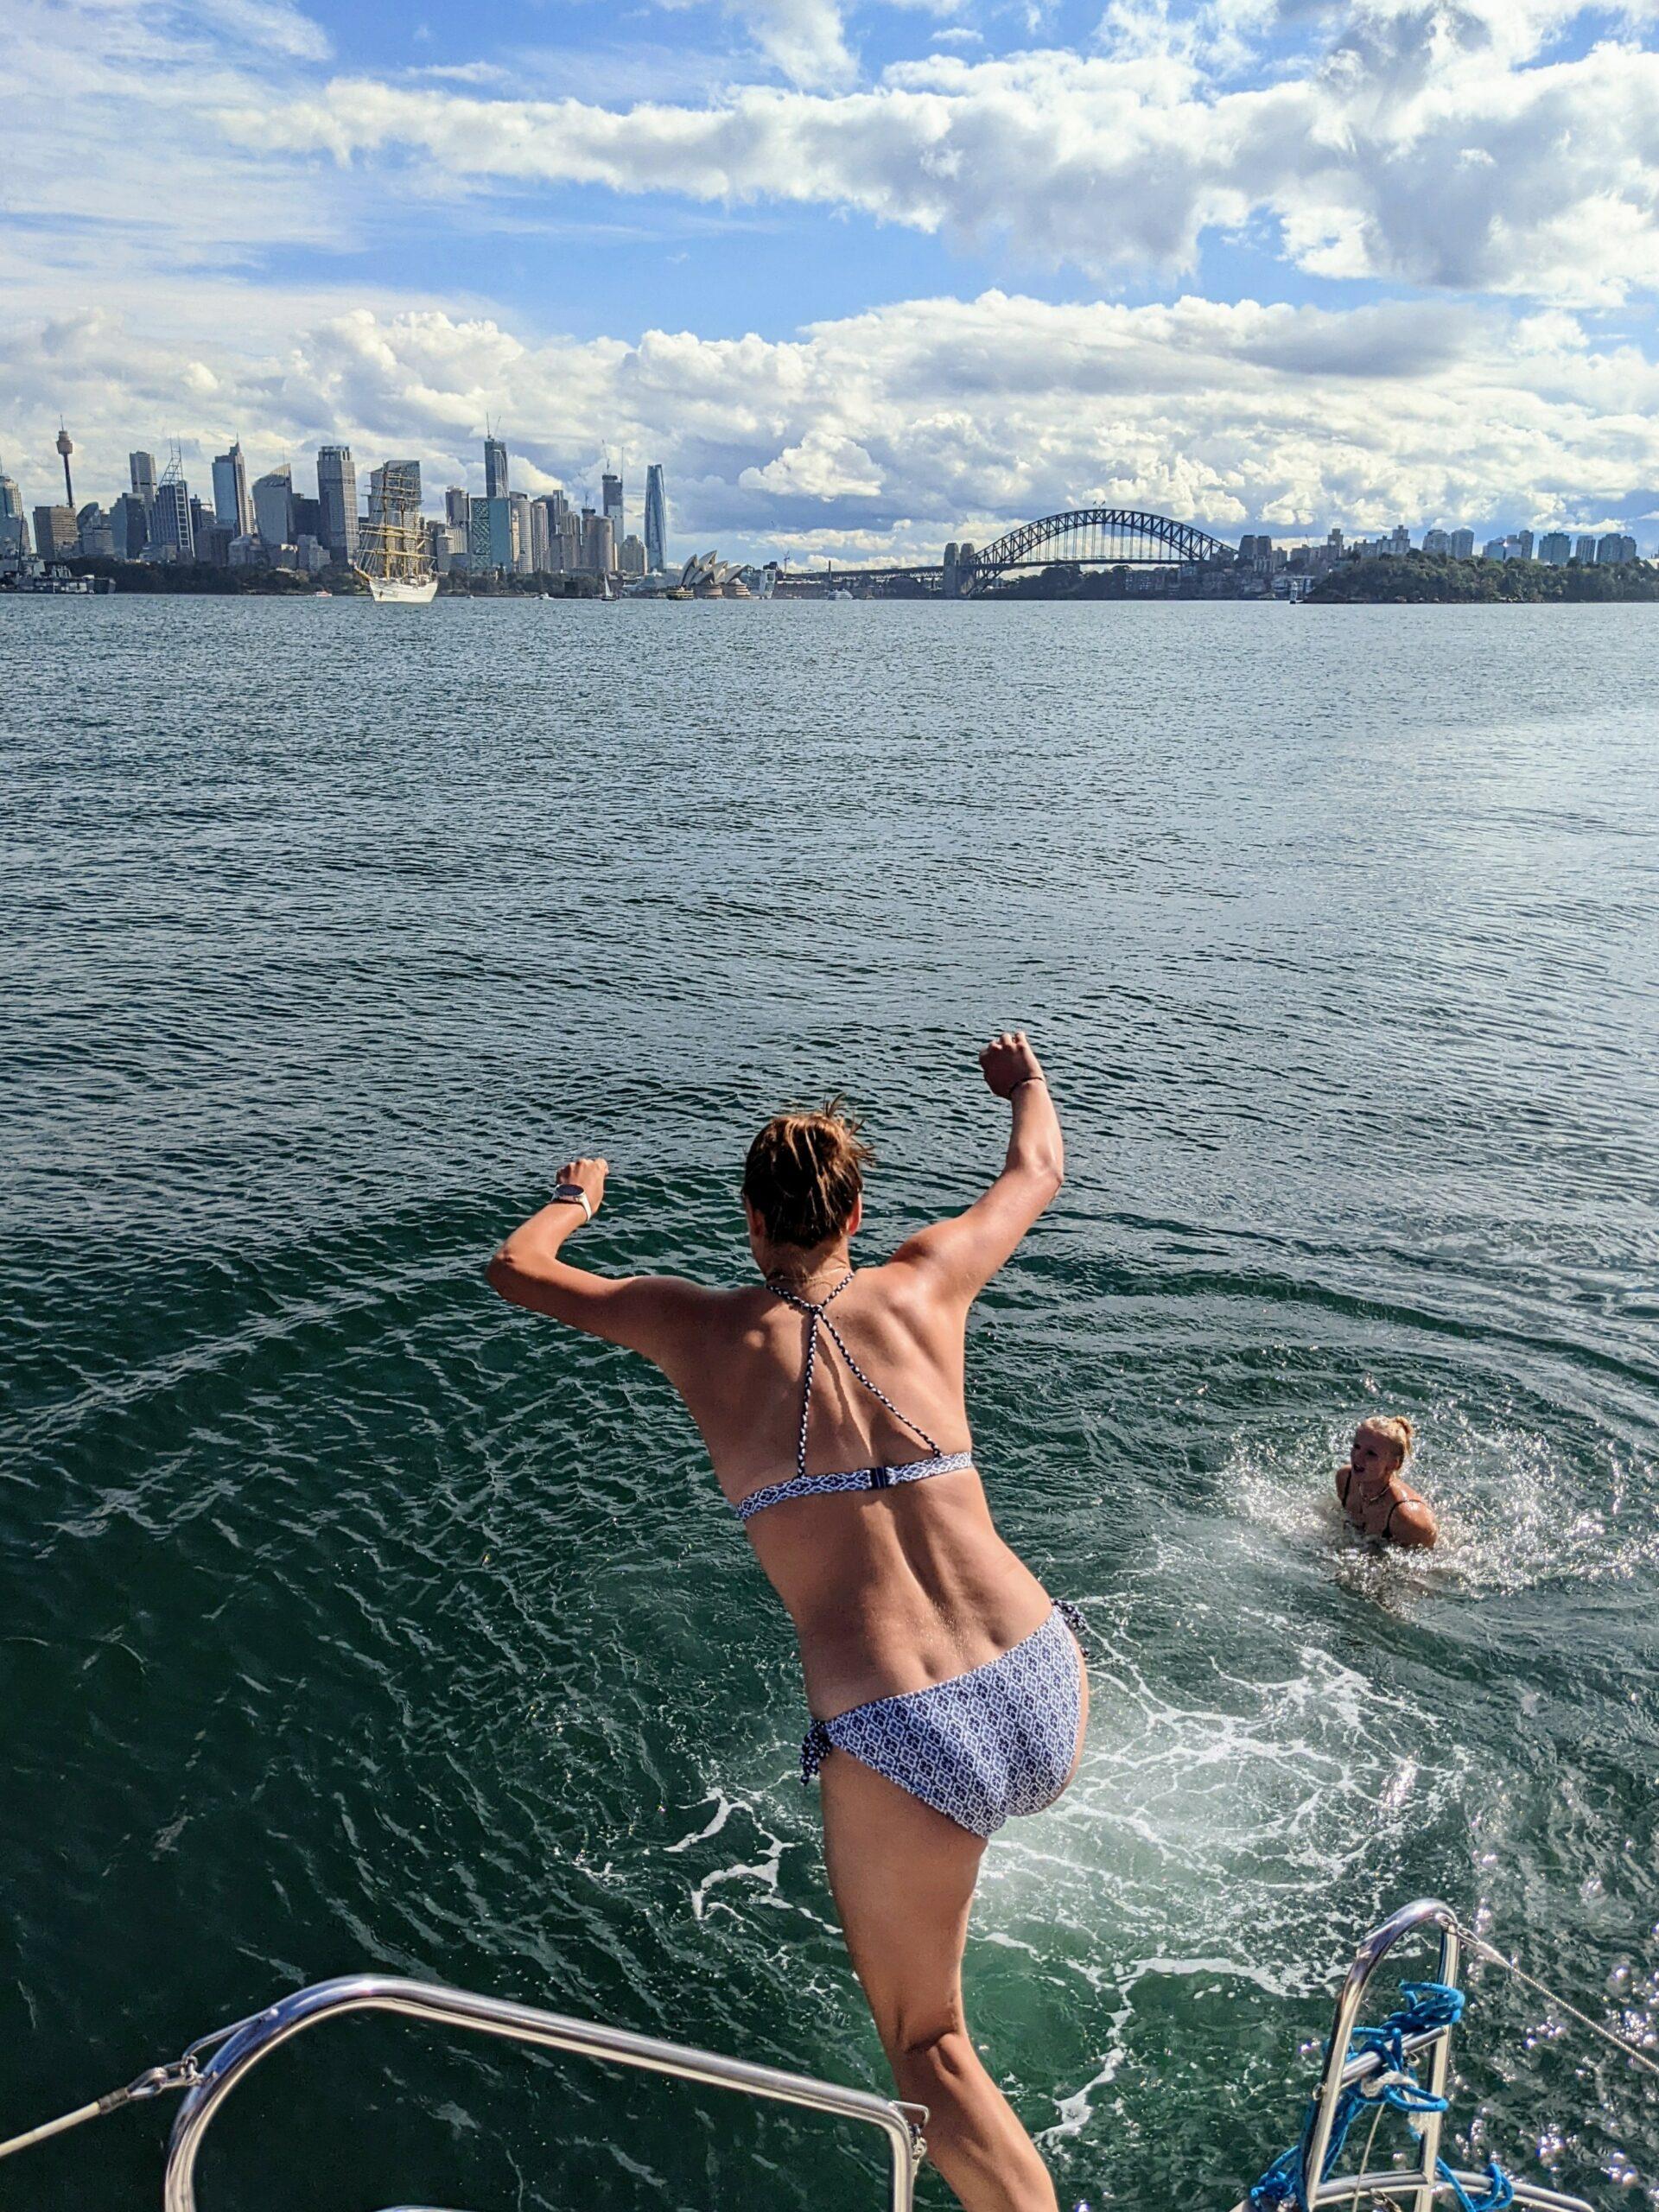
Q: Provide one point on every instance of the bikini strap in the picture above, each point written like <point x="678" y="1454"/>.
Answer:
<point x="816" y="1317"/>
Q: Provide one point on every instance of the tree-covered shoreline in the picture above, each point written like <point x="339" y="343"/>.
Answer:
<point x="1431" y="578"/>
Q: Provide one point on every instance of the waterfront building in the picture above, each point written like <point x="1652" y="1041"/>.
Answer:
<point x="128" y="526"/>
<point x="631" y="556"/>
<point x="337" y="496"/>
<point x="1463" y="545"/>
<point x="1584" y="549"/>
<point x="489" y="538"/>
<point x="598" y="543"/>
<point x="1556" y="548"/>
<point x="456" y="503"/>
<point x="403" y="480"/>
<point x="232" y="506"/>
<point x="172" y="536"/>
<point x="656" y="519"/>
<point x="523" y="551"/>
<point x="14" y="526"/>
<point x="1437" y="541"/>
<point x="94" y="539"/>
<point x="273" y="507"/>
<point x="610" y="503"/>
<point x="141" y="468"/>
<point x="1615" y="546"/>
<point x="495" y="469"/>
<point x="55" y="533"/>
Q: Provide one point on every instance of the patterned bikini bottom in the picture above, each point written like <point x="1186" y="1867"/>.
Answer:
<point x="997" y="1741"/>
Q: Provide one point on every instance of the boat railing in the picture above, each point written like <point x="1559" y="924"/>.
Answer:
<point x="256" y="2039"/>
<point x="1415" y="2186"/>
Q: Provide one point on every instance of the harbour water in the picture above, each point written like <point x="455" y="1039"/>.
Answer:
<point x="353" y="1619"/>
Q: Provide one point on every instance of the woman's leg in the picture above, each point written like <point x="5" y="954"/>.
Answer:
<point x="903" y="1879"/>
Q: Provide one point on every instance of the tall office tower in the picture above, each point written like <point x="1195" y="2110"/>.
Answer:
<point x="495" y="469"/>
<point x="401" y="479"/>
<point x="273" y="507"/>
<point x="656" y="519"/>
<point x="54" y="532"/>
<point x="142" y="467"/>
<point x="66" y="446"/>
<point x="599" y="545"/>
<point x="231" y="505"/>
<point x="128" y="526"/>
<point x="169" y="529"/>
<point x="456" y="501"/>
<point x="14" y="530"/>
<point x="489" y="534"/>
<point x="523" y="550"/>
<point x="610" y="502"/>
<point x="337" y="495"/>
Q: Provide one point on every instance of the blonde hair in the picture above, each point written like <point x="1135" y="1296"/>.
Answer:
<point x="804" y="1174"/>
<point x="1395" y="1427"/>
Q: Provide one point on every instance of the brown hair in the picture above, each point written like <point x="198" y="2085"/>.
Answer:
<point x="805" y="1173"/>
<point x="1395" y="1428"/>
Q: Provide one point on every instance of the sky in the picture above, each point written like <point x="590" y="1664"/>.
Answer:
<point x="863" y="275"/>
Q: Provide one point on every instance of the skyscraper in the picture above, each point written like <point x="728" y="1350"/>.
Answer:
<point x="495" y="469"/>
<point x="14" y="530"/>
<point x="656" y="519"/>
<point x="273" y="507"/>
<point x="54" y="532"/>
<point x="170" y="526"/>
<point x="610" y="502"/>
<point x="337" y="496"/>
<point x="231" y="505"/>
<point x="142" y="468"/>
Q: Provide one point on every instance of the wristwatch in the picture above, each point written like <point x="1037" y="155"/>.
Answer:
<point x="572" y="1194"/>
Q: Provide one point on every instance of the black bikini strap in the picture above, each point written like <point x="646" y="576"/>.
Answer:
<point x="817" y="1317"/>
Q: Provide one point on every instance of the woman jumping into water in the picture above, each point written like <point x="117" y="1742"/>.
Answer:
<point x="947" y="1687"/>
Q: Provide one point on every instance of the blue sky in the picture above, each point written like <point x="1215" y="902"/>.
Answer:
<point x="863" y="276"/>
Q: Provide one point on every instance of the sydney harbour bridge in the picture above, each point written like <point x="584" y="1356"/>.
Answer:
<point x="1081" y="538"/>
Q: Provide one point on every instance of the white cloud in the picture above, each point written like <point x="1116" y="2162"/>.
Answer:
<point x="1427" y="145"/>
<point x="889" y="431"/>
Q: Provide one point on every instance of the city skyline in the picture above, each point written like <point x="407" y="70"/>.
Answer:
<point x="863" y="276"/>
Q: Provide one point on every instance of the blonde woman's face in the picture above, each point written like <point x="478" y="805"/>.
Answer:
<point x="1373" y="1456"/>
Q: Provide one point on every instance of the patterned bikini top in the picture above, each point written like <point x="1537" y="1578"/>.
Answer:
<point x="800" y="1484"/>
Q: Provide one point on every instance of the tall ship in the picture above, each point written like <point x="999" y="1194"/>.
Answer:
<point x="392" y="554"/>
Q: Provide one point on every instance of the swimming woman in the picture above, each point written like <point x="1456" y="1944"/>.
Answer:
<point x="1373" y="1492"/>
<point x="947" y="1689"/>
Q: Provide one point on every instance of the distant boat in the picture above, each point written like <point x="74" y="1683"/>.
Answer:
<point x="392" y="557"/>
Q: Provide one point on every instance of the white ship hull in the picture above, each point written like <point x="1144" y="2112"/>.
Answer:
<point x="402" y="591"/>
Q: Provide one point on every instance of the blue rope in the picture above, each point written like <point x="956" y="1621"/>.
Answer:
<point x="1428" y="2006"/>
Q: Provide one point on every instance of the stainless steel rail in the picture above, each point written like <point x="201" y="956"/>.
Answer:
<point x="460" y="2008"/>
<point x="1422" y="2183"/>
<point x="1425" y="1913"/>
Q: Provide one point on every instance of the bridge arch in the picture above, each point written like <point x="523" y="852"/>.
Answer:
<point x="1096" y="536"/>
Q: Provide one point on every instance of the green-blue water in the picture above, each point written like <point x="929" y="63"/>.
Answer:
<point x="352" y="1619"/>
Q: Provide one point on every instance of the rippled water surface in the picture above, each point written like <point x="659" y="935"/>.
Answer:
<point x="352" y="1619"/>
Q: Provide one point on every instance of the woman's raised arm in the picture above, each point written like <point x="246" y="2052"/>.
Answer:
<point x="650" y="1314"/>
<point x="966" y="1251"/>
